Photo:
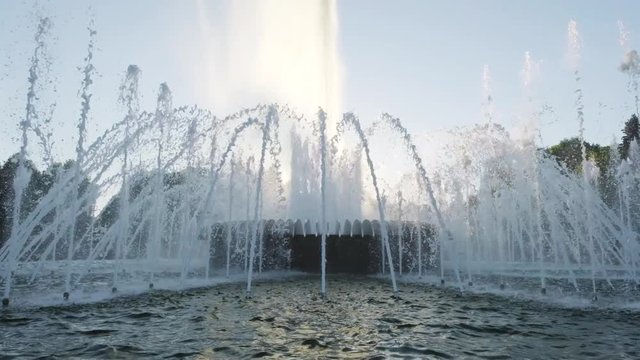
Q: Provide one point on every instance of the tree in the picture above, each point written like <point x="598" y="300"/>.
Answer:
<point x="7" y="172"/>
<point x="631" y="132"/>
<point x="7" y="175"/>
<point x="39" y="185"/>
<point x="569" y="153"/>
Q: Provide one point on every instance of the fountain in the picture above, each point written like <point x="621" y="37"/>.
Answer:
<point x="178" y="197"/>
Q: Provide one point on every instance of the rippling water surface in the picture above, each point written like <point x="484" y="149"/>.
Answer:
<point x="286" y="319"/>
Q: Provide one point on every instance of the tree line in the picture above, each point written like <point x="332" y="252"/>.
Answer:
<point x="607" y="157"/>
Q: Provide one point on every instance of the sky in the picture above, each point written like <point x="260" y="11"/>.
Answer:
<point x="422" y="61"/>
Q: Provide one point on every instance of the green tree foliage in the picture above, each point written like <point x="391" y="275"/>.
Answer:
<point x="569" y="153"/>
<point x="631" y="132"/>
<point x="7" y="173"/>
<point x="39" y="185"/>
<point x="109" y="214"/>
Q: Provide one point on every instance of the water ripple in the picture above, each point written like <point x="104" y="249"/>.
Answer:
<point x="287" y="319"/>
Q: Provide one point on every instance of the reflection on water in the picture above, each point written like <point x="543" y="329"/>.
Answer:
<point x="287" y="319"/>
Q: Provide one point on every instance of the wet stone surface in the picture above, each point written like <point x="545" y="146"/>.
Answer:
<point x="287" y="319"/>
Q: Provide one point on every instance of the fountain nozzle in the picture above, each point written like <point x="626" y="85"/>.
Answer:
<point x="65" y="295"/>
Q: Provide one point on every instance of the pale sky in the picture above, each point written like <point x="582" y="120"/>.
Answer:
<point x="419" y="60"/>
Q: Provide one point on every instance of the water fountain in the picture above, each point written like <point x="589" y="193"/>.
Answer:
<point x="178" y="197"/>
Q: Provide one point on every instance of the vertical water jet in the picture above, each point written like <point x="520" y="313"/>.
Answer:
<point x="87" y="81"/>
<point x="322" y="119"/>
<point x="23" y="175"/>
<point x="129" y="98"/>
<point x="231" y="174"/>
<point x="272" y="116"/>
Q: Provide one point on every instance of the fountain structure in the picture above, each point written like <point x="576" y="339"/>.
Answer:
<point x="174" y="197"/>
